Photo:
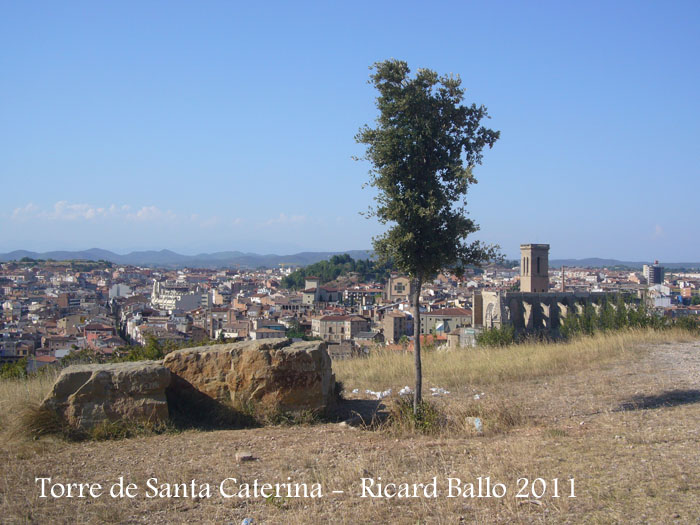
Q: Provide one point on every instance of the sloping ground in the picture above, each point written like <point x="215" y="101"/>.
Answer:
<point x="628" y="433"/>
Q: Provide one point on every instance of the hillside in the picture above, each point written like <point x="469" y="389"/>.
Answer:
<point x="170" y="259"/>
<point x="622" y="421"/>
<point x="338" y="268"/>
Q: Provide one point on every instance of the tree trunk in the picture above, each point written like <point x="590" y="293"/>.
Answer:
<point x="418" y="392"/>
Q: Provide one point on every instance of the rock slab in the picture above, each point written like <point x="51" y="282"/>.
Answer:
<point x="87" y="395"/>
<point x="272" y="374"/>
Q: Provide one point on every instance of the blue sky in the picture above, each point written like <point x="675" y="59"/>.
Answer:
<point x="206" y="126"/>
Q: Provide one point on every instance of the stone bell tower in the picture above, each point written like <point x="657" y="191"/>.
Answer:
<point x="534" y="268"/>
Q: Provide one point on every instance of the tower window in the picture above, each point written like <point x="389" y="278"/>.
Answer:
<point x="538" y="265"/>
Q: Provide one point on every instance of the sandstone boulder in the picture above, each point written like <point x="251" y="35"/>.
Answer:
<point x="87" y="395"/>
<point x="272" y="374"/>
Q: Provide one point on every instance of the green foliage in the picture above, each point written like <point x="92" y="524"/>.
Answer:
<point x="156" y="350"/>
<point x="620" y="312"/>
<point x="152" y="350"/>
<point x="294" y="331"/>
<point x="695" y="300"/>
<point x="337" y="266"/>
<point x="403" y="418"/>
<point x="422" y="152"/>
<point x="502" y="336"/>
<point x="692" y="324"/>
<point x="620" y="316"/>
<point x="606" y="316"/>
<point x="16" y="370"/>
<point x="83" y="356"/>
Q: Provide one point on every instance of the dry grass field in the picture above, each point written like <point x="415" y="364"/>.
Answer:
<point x="618" y="413"/>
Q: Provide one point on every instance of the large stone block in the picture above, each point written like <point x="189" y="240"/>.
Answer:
<point x="272" y="374"/>
<point x="87" y="395"/>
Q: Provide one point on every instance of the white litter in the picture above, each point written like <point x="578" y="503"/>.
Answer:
<point x="356" y="391"/>
<point x="439" y="391"/>
<point x="406" y="391"/>
<point x="379" y="395"/>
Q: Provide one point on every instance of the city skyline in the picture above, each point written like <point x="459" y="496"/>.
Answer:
<point x="172" y="126"/>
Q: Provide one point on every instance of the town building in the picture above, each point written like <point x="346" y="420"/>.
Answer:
<point x="336" y="328"/>
<point x="398" y="288"/>
<point x="653" y="273"/>
<point x="395" y="325"/>
<point x="445" y="320"/>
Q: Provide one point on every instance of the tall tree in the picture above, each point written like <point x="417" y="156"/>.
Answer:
<point x="423" y="150"/>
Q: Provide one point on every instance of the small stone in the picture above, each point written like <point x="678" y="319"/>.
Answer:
<point x="244" y="456"/>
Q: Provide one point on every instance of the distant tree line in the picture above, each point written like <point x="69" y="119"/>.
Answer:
<point x="79" y="265"/>
<point x="338" y="266"/>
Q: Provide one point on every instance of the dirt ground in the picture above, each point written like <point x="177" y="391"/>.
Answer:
<point x="628" y="433"/>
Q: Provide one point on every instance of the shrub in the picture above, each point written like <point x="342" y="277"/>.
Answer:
<point x="16" y="370"/>
<point x="36" y="421"/>
<point x="502" y="336"/>
<point x="688" y="323"/>
<point x="428" y="419"/>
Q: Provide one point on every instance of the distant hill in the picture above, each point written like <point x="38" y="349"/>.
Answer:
<point x="595" y="262"/>
<point x="170" y="259"/>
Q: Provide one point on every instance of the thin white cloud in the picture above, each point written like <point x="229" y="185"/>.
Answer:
<point x="65" y="211"/>
<point x="24" y="213"/>
<point x="658" y="232"/>
<point x="151" y="213"/>
<point x="283" y="218"/>
<point x="69" y="211"/>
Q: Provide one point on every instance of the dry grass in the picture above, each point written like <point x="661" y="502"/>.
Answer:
<point x="487" y="366"/>
<point x="450" y="418"/>
<point x="19" y="398"/>
<point x="556" y="417"/>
